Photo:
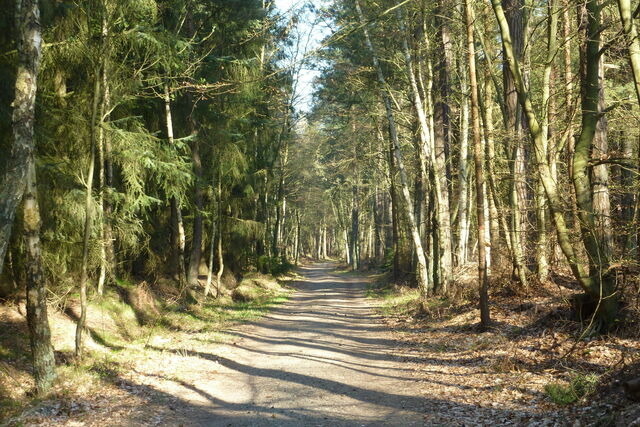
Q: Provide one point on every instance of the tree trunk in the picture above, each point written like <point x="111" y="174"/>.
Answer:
<point x="492" y="192"/>
<point x="479" y="159"/>
<point x="441" y="140"/>
<point x="600" y="174"/>
<point x="88" y="208"/>
<point x="514" y="12"/>
<point x="212" y="246"/>
<point x="601" y="286"/>
<point x="355" y="230"/>
<point x="29" y="46"/>
<point x="220" y="229"/>
<point x="463" y="177"/>
<point x="296" y="252"/>
<point x="629" y="197"/>
<point x="631" y="31"/>
<point x="177" y="226"/>
<point x="591" y="285"/>
<point x="39" y="334"/>
<point x="196" y="241"/>
<point x="437" y="172"/>
<point x="540" y="196"/>
<point x="394" y="215"/>
<point x="104" y="162"/>
<point x="422" y="264"/>
<point x="279" y="206"/>
<point x="21" y="180"/>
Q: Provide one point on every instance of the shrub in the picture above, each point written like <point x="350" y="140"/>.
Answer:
<point x="565" y="394"/>
<point x="273" y="265"/>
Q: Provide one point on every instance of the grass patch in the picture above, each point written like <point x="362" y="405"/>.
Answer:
<point x="379" y="290"/>
<point x="121" y="326"/>
<point x="403" y="301"/>
<point x="400" y="303"/>
<point x="10" y="407"/>
<point x="394" y="300"/>
<point x="221" y="313"/>
<point x="581" y="385"/>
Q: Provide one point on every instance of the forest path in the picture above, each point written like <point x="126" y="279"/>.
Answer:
<point x="323" y="358"/>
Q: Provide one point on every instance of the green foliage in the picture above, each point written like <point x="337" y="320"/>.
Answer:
<point x="387" y="263"/>
<point x="273" y="265"/>
<point x="581" y="385"/>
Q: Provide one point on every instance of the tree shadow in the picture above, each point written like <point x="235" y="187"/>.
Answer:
<point x="95" y="335"/>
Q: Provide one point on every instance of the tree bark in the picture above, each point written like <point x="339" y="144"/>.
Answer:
<point x="296" y="252"/>
<point x="105" y="172"/>
<point x="88" y="208"/>
<point x="428" y="156"/>
<point x="631" y="31"/>
<point x="463" y="177"/>
<point x="601" y="287"/>
<point x="39" y="334"/>
<point x="479" y="159"/>
<point x="514" y="12"/>
<point x="441" y="147"/>
<point x="29" y="46"/>
<point x="540" y="196"/>
<point x="421" y="269"/>
<point x="355" y="230"/>
<point x="177" y="226"/>
<point x="629" y="184"/>
<point x="492" y="191"/>
<point x="196" y="241"/>
<point x="220" y="229"/>
<point x="21" y="180"/>
<point x="212" y="246"/>
<point x="590" y="284"/>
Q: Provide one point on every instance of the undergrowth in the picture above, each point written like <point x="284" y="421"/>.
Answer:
<point x="403" y="301"/>
<point x="121" y="329"/>
<point x="579" y="386"/>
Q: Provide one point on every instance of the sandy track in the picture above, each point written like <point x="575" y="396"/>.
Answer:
<point x="323" y="358"/>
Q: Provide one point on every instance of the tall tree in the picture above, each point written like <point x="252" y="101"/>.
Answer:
<point x="29" y="54"/>
<point x="421" y="268"/>
<point x="479" y="161"/>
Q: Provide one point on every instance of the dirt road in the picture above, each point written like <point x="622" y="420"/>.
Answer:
<point x="326" y="359"/>
<point x="323" y="358"/>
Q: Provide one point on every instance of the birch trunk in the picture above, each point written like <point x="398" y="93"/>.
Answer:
<point x="429" y="156"/>
<point x="212" y="250"/>
<point x="196" y="241"/>
<point x="492" y="196"/>
<point x="220" y="254"/>
<point x="178" y="238"/>
<point x="296" y="252"/>
<point x="413" y="228"/>
<point x="440" y="138"/>
<point x="463" y="180"/>
<point x="20" y="181"/>
<point x="44" y="363"/>
<point x="629" y="182"/>
<point x="355" y="230"/>
<point x="106" y="235"/>
<point x="540" y="196"/>
<point x="29" y="46"/>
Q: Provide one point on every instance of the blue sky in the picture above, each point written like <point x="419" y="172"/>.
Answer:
<point x="310" y="36"/>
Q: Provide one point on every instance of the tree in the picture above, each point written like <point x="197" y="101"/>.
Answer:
<point x="22" y="177"/>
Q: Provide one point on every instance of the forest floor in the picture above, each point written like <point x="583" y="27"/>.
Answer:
<point x="341" y="353"/>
